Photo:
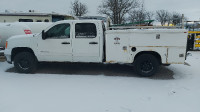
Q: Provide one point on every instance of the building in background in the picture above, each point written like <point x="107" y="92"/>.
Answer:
<point x="32" y="16"/>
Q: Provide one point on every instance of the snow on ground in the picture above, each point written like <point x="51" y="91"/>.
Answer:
<point x="74" y="92"/>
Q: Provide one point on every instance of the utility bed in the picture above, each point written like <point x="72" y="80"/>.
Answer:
<point x="169" y="43"/>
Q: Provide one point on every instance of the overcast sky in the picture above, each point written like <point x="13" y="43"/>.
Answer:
<point x="191" y="8"/>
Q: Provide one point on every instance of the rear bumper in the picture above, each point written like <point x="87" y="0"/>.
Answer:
<point x="187" y="54"/>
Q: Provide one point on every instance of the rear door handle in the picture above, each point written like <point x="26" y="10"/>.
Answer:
<point x="65" y="42"/>
<point x="93" y="43"/>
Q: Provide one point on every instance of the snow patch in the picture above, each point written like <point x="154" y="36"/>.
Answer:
<point x="100" y="93"/>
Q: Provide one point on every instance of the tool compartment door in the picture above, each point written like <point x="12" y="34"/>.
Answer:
<point x="176" y="55"/>
<point x="117" y="48"/>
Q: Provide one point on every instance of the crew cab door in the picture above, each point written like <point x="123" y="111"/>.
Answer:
<point x="57" y="47"/>
<point x="86" y="42"/>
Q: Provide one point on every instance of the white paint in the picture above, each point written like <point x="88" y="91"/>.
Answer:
<point x="118" y="45"/>
<point x="11" y="29"/>
<point x="145" y="40"/>
<point x="13" y="18"/>
<point x="83" y="51"/>
<point x="7" y="30"/>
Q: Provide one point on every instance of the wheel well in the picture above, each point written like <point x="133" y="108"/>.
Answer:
<point x="15" y="51"/>
<point x="157" y="55"/>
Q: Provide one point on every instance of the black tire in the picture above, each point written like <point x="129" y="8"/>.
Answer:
<point x="146" y="65"/>
<point x="25" y="62"/>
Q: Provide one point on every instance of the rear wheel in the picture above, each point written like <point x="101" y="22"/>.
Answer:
<point x="25" y="62"/>
<point x="146" y="65"/>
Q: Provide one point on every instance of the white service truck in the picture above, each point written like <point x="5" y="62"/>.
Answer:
<point x="87" y="41"/>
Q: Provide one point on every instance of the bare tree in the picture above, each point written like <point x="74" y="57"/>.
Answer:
<point x="162" y="16"/>
<point x="176" y="18"/>
<point x="117" y="9"/>
<point x="78" y="8"/>
<point x="149" y="15"/>
<point x="138" y="15"/>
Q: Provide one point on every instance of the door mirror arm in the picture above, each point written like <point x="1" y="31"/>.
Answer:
<point x="43" y="35"/>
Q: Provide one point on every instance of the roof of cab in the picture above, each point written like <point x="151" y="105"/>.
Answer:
<point x="79" y="21"/>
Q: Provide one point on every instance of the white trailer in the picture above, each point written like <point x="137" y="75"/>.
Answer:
<point x="20" y="28"/>
<point x="86" y="41"/>
<point x="7" y="30"/>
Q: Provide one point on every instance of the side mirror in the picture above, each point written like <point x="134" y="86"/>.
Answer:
<point x="43" y="35"/>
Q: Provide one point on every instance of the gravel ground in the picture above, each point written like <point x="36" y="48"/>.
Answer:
<point x="2" y="59"/>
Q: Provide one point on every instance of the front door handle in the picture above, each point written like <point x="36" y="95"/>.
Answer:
<point x="93" y="43"/>
<point x="65" y="42"/>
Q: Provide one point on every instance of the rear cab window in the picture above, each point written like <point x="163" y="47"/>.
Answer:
<point x="85" y="30"/>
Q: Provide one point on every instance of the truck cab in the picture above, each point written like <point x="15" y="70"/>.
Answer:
<point x="71" y="41"/>
<point x="64" y="41"/>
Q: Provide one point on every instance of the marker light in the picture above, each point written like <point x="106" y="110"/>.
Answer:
<point x="6" y="44"/>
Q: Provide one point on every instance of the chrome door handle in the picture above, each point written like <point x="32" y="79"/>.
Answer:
<point x="65" y="42"/>
<point x="93" y="43"/>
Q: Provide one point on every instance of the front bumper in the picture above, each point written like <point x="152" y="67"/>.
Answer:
<point x="7" y="54"/>
<point x="8" y="59"/>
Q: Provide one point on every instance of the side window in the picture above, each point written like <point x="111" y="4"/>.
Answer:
<point x="59" y="31"/>
<point x="46" y="20"/>
<point x="85" y="30"/>
<point x="39" y="21"/>
<point x="25" y="20"/>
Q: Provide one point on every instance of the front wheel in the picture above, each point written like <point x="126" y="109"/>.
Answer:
<point x="25" y="62"/>
<point x="146" y="65"/>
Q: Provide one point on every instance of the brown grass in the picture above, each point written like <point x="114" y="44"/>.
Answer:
<point x="2" y="59"/>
